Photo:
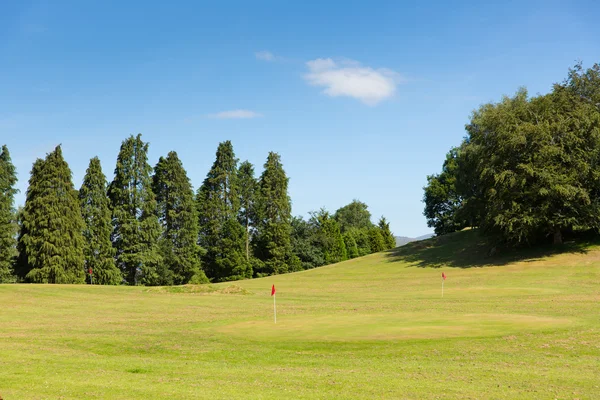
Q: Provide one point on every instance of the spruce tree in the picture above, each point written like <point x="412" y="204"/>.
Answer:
<point x="247" y="192"/>
<point x="8" y="223"/>
<point x="389" y="240"/>
<point x="218" y="207"/>
<point x="98" y="250"/>
<point x="51" y="241"/>
<point x="136" y="229"/>
<point x="179" y="220"/>
<point x="273" y="244"/>
<point x="376" y="240"/>
<point x="330" y="238"/>
<point x="350" y="243"/>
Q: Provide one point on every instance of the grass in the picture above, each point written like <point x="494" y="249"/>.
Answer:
<point x="520" y="325"/>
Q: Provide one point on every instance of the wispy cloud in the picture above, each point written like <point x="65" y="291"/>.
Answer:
<point x="235" y="114"/>
<point x="349" y="78"/>
<point x="268" y="56"/>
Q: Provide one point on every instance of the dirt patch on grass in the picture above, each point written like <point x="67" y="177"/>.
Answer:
<point x="201" y="289"/>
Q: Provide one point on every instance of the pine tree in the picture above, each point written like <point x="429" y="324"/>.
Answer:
<point x="376" y="240"/>
<point x="8" y="223"/>
<point x="98" y="250"/>
<point x="330" y="238"/>
<point x="350" y="243"/>
<point x="178" y="216"/>
<point x="136" y="229"/>
<point x="218" y="207"/>
<point x="389" y="240"/>
<point x="273" y="244"/>
<point x="51" y="241"/>
<point x="247" y="192"/>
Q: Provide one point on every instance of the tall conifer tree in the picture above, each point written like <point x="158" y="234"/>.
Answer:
<point x="389" y="240"/>
<point x="134" y="213"/>
<point x="51" y="241"/>
<point x="98" y="250"/>
<point x="221" y="234"/>
<point x="274" y="245"/>
<point x="179" y="219"/>
<point x="8" y="223"/>
<point x="247" y="192"/>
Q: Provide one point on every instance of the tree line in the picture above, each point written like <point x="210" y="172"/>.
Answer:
<point x="528" y="170"/>
<point x="148" y="226"/>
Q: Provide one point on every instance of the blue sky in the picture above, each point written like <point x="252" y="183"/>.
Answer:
<point x="362" y="99"/>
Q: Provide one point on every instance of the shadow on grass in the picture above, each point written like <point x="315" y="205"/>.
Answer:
<point x="469" y="249"/>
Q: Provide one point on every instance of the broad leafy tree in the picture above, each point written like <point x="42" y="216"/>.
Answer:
<point x="353" y="215"/>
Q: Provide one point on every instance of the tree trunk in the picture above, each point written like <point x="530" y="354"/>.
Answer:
<point x="558" y="237"/>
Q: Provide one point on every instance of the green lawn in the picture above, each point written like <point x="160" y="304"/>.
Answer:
<point x="523" y="326"/>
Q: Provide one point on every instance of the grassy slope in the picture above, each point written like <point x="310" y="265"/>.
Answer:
<point x="523" y="326"/>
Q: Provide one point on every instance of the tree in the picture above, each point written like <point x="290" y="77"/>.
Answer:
<point x="353" y="215"/>
<point x="95" y="210"/>
<point x="178" y="217"/>
<point x="8" y="222"/>
<point x="218" y="208"/>
<point x="350" y="243"/>
<point x="389" y="240"/>
<point x="248" y="187"/>
<point x="330" y="237"/>
<point x="273" y="243"/>
<point x="136" y="229"/>
<point x="305" y="243"/>
<point x="51" y="241"/>
<point x="376" y="240"/>
<point x="361" y="238"/>
<point x="441" y="198"/>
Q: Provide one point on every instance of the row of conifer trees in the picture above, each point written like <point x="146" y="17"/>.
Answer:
<point x="147" y="226"/>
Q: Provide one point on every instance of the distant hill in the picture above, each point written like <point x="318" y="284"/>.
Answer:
<point x="402" y="240"/>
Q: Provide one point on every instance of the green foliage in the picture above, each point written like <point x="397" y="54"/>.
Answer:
<point x="221" y="234"/>
<point x="354" y="215"/>
<point x="179" y="220"/>
<point x="273" y="242"/>
<point x="8" y="222"/>
<point x="305" y="244"/>
<point x="95" y="210"/>
<point x="529" y="167"/>
<point x="136" y="229"/>
<point x="376" y="240"/>
<point x="361" y="238"/>
<point x="248" y="187"/>
<point x="329" y="237"/>
<point x="51" y="241"/>
<point x="350" y="243"/>
<point x="389" y="240"/>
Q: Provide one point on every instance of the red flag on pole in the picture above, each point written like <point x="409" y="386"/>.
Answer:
<point x="273" y="290"/>
<point x="443" y="276"/>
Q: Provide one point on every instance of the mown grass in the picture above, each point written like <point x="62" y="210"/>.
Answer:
<point x="524" y="325"/>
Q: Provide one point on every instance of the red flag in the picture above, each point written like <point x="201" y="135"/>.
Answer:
<point x="91" y="271"/>
<point x="443" y="276"/>
<point x="273" y="290"/>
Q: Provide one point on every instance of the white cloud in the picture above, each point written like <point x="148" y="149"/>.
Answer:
<point x="235" y="114"/>
<point x="265" y="56"/>
<point x="349" y="78"/>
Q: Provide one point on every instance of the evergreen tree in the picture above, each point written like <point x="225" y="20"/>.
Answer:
<point x="136" y="229"/>
<point x="330" y="238"/>
<point x="179" y="219"/>
<point x="361" y="237"/>
<point x="218" y="207"/>
<point x="51" y="241"/>
<point x="247" y="192"/>
<point x="95" y="209"/>
<point x="273" y="244"/>
<point x="350" y="243"/>
<point x="8" y="223"/>
<point x="376" y="240"/>
<point x="389" y="240"/>
<point x="305" y="243"/>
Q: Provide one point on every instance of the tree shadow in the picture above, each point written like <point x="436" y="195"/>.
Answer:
<point x="468" y="249"/>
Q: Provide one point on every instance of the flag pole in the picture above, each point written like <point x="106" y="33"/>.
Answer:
<point x="442" y="287"/>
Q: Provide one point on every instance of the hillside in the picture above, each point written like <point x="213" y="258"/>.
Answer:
<point x="520" y="325"/>
<point x="402" y="240"/>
